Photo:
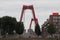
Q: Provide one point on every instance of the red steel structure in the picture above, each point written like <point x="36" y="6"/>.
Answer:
<point x="33" y="13"/>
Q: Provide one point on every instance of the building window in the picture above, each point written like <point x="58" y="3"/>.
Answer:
<point x="59" y="24"/>
<point x="54" y="23"/>
<point x="55" y="20"/>
<point x="59" y="17"/>
<point x="55" y="17"/>
<point x="59" y="20"/>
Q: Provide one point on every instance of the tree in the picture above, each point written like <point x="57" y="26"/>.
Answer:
<point x="20" y="27"/>
<point x="8" y="24"/>
<point x="0" y="23"/>
<point x="37" y="29"/>
<point x="51" y="29"/>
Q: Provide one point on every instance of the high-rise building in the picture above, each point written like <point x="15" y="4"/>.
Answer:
<point x="55" y="20"/>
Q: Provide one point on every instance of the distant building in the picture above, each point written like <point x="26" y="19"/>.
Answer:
<point x="53" y="19"/>
<point x="44" y="28"/>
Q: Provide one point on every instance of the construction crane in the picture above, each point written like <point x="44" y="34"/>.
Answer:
<point x="33" y="13"/>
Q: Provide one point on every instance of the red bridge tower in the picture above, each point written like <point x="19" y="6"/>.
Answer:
<point x="33" y="13"/>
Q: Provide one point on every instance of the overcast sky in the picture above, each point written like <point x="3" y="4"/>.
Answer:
<point x="43" y="8"/>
